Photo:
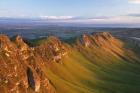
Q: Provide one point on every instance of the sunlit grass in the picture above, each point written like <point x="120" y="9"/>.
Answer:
<point x="97" y="72"/>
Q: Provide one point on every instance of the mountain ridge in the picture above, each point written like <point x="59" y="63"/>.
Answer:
<point x="40" y="68"/>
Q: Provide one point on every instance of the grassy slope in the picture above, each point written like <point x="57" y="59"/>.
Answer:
<point x="107" y="74"/>
<point x="94" y="71"/>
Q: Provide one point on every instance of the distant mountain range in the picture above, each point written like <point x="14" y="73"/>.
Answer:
<point x="55" y="22"/>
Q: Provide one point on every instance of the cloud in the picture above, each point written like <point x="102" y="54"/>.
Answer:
<point x="124" y="19"/>
<point x="114" y="20"/>
<point x="134" y="1"/>
<point x="117" y="20"/>
<point x="134" y="15"/>
<point x="57" y="17"/>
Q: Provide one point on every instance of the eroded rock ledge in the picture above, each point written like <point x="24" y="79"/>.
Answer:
<point x="21" y="68"/>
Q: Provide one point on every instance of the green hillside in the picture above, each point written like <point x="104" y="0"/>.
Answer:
<point x="96" y="70"/>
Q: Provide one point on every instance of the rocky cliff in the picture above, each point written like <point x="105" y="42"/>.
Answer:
<point x="21" y="68"/>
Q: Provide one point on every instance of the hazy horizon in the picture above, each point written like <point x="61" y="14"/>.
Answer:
<point x="108" y="13"/>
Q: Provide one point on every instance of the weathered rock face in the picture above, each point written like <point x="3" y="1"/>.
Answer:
<point x="52" y="50"/>
<point x="86" y="40"/>
<point x="21" y="68"/>
<point x="11" y="70"/>
<point x="101" y="39"/>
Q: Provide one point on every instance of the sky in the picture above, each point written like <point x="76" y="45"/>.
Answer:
<point x="86" y="11"/>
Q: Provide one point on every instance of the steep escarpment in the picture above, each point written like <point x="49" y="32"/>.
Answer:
<point x="102" y="39"/>
<point x="97" y="63"/>
<point x="21" y="68"/>
<point x="105" y="42"/>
